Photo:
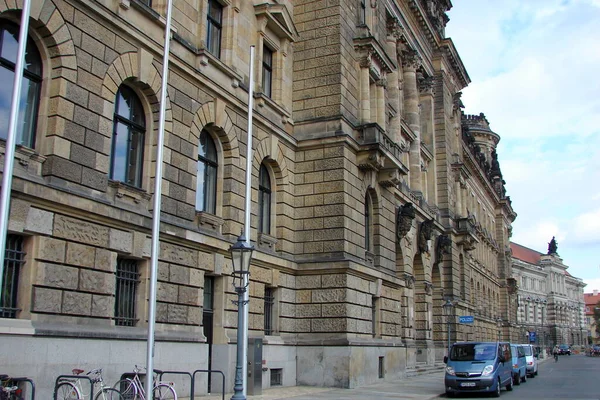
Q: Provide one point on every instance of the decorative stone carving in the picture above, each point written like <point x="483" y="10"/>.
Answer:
<point x="410" y="280"/>
<point x="426" y="84"/>
<point x="394" y="29"/>
<point x="389" y="177"/>
<point x="436" y="13"/>
<point x="425" y="231"/>
<point x="410" y="59"/>
<point x="429" y="288"/>
<point x="457" y="103"/>
<point x="404" y="218"/>
<point x="443" y="246"/>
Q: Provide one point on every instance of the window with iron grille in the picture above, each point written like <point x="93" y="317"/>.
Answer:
<point x="381" y="369"/>
<point x="128" y="278"/>
<point x="276" y="374"/>
<point x="269" y="302"/>
<point x="13" y="261"/>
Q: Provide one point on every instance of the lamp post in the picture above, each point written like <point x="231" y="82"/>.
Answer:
<point x="447" y="307"/>
<point x="499" y="325"/>
<point x="241" y="254"/>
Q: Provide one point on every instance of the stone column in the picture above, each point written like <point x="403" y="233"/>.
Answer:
<point x="410" y="62"/>
<point x="426" y="85"/>
<point x="365" y="96"/>
<point x="380" y="90"/>
<point x="393" y="80"/>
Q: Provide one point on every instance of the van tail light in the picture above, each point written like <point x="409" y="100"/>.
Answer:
<point x="530" y="363"/>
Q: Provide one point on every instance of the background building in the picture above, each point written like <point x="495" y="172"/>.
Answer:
<point x="591" y="302"/>
<point x="551" y="301"/>
<point x="375" y="200"/>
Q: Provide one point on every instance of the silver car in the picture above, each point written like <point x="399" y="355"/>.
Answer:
<point x="531" y="358"/>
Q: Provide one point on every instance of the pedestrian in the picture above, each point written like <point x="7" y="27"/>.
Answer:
<point x="555" y="352"/>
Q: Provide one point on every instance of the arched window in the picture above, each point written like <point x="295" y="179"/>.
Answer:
<point x="206" y="177"/>
<point x="127" y="154"/>
<point x="368" y="222"/>
<point x="30" y="89"/>
<point x="264" y="200"/>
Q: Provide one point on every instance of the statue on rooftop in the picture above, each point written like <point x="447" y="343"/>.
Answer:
<point x="552" y="246"/>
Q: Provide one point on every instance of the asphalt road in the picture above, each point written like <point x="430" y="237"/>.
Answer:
<point x="575" y="377"/>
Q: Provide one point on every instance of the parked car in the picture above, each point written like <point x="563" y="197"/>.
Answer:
<point x="519" y="364"/>
<point x="531" y="359"/>
<point x="564" y="349"/>
<point x="475" y="367"/>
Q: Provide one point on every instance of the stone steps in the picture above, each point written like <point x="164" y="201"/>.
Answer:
<point x="423" y="369"/>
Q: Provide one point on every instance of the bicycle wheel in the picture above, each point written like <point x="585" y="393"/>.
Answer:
<point x="67" y="391"/>
<point x="108" y="394"/>
<point x="164" y="392"/>
<point x="127" y="389"/>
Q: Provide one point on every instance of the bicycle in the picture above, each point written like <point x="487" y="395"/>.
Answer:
<point x="8" y="390"/>
<point x="133" y="388"/>
<point x="10" y="393"/>
<point x="70" y="388"/>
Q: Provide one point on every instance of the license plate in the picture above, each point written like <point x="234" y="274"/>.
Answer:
<point x="467" y="384"/>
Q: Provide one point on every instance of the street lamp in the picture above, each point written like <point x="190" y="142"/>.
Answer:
<point x="499" y="325"/>
<point x="241" y="254"/>
<point x="447" y="307"/>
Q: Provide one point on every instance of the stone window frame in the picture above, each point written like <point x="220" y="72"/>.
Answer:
<point x="15" y="260"/>
<point x="228" y="45"/>
<point x="276" y="31"/>
<point x="376" y="316"/>
<point x="264" y="177"/>
<point x="267" y="240"/>
<point x="144" y="129"/>
<point x="205" y="219"/>
<point x="30" y="76"/>
<point x="211" y="173"/>
<point x="212" y="23"/>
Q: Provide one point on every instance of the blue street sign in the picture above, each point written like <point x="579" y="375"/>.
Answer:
<point x="465" y="319"/>
<point x="532" y="336"/>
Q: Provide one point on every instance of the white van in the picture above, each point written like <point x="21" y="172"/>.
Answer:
<point x="531" y="357"/>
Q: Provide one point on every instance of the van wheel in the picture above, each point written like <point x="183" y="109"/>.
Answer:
<point x="498" y="388"/>
<point x="524" y="377"/>
<point x="509" y="387"/>
<point x="517" y="380"/>
<point x="535" y="373"/>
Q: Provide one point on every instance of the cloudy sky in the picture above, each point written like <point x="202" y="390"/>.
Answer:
<point x="535" y="72"/>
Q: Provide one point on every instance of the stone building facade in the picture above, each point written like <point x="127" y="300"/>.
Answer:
<point x="591" y="303"/>
<point x="374" y="198"/>
<point x="550" y="300"/>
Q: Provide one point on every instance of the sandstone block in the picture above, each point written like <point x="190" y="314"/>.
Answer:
<point x="18" y="215"/>
<point x="328" y="325"/>
<point x="179" y="255"/>
<point x="50" y="249"/>
<point x="106" y="260"/>
<point x="80" y="231"/>
<point x="39" y="221"/>
<point x="81" y="255"/>
<point x="77" y="303"/>
<point x="58" y="276"/>
<point x="97" y="281"/>
<point x="46" y="300"/>
<point x="178" y="314"/>
<point x="179" y="274"/>
<point x="103" y="306"/>
<point x="188" y="295"/>
<point x="329" y="295"/>
<point x="308" y="281"/>
<point x="166" y="292"/>
<point x="337" y="280"/>
<point x="120" y="240"/>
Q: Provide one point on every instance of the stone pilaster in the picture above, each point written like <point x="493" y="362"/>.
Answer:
<point x="410" y="62"/>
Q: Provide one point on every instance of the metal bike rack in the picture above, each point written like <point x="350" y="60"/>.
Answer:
<point x="192" y="377"/>
<point x="58" y="382"/>
<point x="8" y="378"/>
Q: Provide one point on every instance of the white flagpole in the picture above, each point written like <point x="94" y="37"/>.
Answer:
<point x="247" y="216"/>
<point x="9" y="155"/>
<point x="156" y="210"/>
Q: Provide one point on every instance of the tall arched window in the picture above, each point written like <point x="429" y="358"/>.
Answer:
<point x="30" y="89"/>
<point x="264" y="200"/>
<point x="127" y="155"/>
<point x="206" y="178"/>
<point x="368" y="222"/>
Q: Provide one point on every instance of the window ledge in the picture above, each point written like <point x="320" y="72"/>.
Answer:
<point x="266" y="241"/>
<point x="207" y="220"/>
<point x="128" y="194"/>
<point x="262" y="100"/>
<point x="205" y="58"/>
<point x="26" y="157"/>
<point x="369" y="258"/>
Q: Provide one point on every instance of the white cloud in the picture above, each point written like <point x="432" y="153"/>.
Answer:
<point x="586" y="228"/>
<point x="592" y="284"/>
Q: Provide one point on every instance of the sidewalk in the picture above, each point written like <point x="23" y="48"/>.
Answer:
<point x="421" y="387"/>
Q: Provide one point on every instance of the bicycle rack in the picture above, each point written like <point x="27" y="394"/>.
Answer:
<point x="8" y="378"/>
<point x="192" y="377"/>
<point x="58" y="382"/>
